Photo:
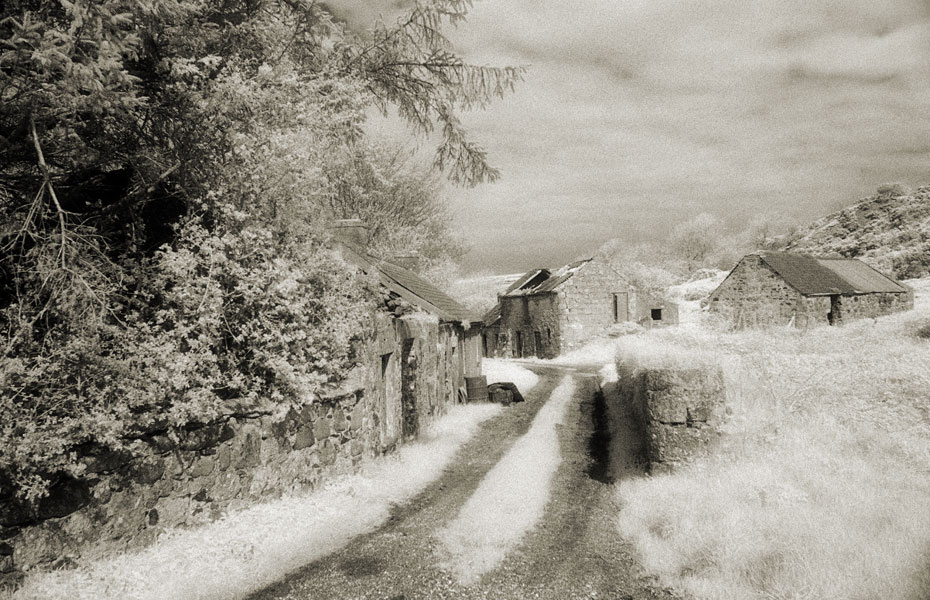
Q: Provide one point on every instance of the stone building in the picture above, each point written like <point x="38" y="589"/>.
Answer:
<point x="784" y="288"/>
<point x="546" y="313"/>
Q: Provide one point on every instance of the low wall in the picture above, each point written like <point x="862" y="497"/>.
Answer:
<point x="410" y="374"/>
<point x="181" y="480"/>
<point x="678" y="409"/>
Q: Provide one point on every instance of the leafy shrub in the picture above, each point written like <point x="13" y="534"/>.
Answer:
<point x="220" y="315"/>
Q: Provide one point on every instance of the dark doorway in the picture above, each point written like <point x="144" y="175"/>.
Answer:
<point x="621" y="307"/>
<point x="537" y="338"/>
<point x="408" y="390"/>
<point x="834" y="317"/>
<point x="518" y="345"/>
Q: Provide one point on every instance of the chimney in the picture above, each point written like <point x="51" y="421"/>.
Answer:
<point x="350" y="232"/>
<point x="408" y="259"/>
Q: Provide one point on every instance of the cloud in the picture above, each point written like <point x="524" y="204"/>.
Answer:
<point x="637" y="114"/>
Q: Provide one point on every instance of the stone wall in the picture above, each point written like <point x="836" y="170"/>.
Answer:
<point x="536" y="320"/>
<point x="873" y="305"/>
<point x="755" y="295"/>
<point x="412" y="371"/>
<point x="586" y="303"/>
<point x="679" y="410"/>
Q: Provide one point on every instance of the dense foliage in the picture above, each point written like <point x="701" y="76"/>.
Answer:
<point x="167" y="168"/>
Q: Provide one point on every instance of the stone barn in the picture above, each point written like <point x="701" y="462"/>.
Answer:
<point x="784" y="288"/>
<point x="546" y="313"/>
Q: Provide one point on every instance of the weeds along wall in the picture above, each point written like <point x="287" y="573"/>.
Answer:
<point x="678" y="409"/>
<point x="411" y="372"/>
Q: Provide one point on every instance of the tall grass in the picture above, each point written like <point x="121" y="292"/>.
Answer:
<point x="820" y="485"/>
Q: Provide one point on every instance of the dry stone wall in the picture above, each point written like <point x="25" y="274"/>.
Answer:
<point x="180" y="478"/>
<point x="679" y="410"/>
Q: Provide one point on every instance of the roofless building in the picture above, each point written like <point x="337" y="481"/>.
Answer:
<point x="546" y="313"/>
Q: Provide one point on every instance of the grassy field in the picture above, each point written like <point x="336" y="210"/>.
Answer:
<point x="819" y="486"/>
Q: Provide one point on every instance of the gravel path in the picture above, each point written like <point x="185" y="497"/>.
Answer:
<point x="574" y="552"/>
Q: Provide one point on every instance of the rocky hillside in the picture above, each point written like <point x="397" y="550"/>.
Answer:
<point x="890" y="231"/>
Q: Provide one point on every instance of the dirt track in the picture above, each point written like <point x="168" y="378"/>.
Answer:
<point x="574" y="552"/>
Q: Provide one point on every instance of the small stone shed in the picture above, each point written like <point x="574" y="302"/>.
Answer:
<point x="785" y="288"/>
<point x="548" y="312"/>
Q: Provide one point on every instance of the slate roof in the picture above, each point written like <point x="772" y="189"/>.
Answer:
<point x="410" y="286"/>
<point x="861" y="276"/>
<point x="824" y="276"/>
<point x="542" y="281"/>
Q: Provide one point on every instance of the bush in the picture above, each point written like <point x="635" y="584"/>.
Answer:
<point x="221" y="315"/>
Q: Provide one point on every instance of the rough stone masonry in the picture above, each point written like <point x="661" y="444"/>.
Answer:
<point x="678" y="409"/>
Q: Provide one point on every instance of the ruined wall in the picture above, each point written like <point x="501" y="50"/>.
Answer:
<point x="755" y="295"/>
<point x="586" y="303"/>
<point x="537" y="320"/>
<point x="411" y="373"/>
<point x="679" y="410"/>
<point x="496" y="341"/>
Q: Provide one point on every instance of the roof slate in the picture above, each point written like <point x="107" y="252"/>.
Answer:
<point x="812" y="276"/>
<point x="861" y="276"/>
<point x="410" y="286"/>
<point x="492" y="316"/>
<point x="549" y="284"/>
<point x="426" y="295"/>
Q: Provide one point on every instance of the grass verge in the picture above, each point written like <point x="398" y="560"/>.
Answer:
<point x="819" y="486"/>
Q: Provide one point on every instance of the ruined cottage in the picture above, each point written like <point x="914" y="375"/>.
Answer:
<point x="545" y="313"/>
<point x="784" y="288"/>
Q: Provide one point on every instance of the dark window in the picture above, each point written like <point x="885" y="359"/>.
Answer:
<point x="656" y="314"/>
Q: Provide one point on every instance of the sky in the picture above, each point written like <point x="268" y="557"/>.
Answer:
<point x="636" y="115"/>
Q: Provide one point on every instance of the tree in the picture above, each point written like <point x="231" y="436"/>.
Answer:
<point x="695" y="240"/>
<point x="162" y="163"/>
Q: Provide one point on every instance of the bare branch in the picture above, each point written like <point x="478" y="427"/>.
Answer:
<point x="47" y="183"/>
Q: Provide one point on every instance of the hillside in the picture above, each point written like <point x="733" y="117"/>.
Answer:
<point x="890" y="231"/>
<point x="479" y="292"/>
